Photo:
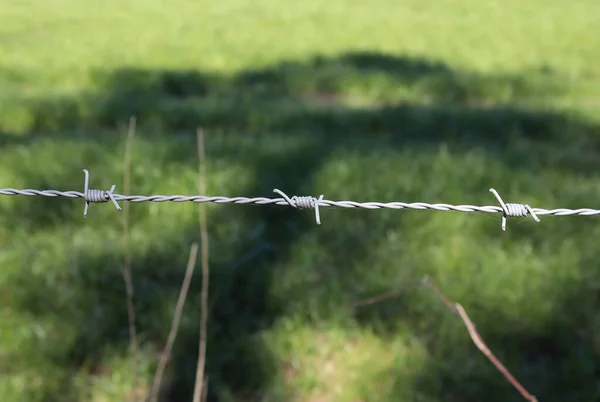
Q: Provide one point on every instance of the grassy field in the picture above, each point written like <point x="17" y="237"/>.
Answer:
<point x="366" y="101"/>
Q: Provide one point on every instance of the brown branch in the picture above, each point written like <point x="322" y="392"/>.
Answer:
<point x="126" y="271"/>
<point x="478" y="341"/>
<point x="166" y="355"/>
<point x="200" y="382"/>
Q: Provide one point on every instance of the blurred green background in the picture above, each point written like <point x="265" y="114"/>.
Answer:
<point x="367" y="101"/>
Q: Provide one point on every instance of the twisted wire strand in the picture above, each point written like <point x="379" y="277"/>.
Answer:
<point x="513" y="211"/>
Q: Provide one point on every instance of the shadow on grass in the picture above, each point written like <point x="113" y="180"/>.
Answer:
<point x="412" y="104"/>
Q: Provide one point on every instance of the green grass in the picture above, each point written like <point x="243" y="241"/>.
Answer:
<point x="368" y="101"/>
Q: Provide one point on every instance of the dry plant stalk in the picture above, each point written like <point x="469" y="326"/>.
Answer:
<point x="478" y="340"/>
<point x="200" y="383"/>
<point x="456" y="308"/>
<point x="387" y="295"/>
<point x="166" y="355"/>
<point x="205" y="389"/>
<point x="126" y="271"/>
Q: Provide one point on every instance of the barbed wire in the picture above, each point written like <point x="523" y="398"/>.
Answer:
<point x="301" y="202"/>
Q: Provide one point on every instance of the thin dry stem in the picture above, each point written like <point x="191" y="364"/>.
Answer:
<point x="166" y="355"/>
<point x="478" y="341"/>
<point x="200" y="382"/>
<point x="387" y="295"/>
<point x="126" y="272"/>
<point x="205" y="389"/>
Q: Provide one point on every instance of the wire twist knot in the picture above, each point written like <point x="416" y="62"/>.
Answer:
<point x="92" y="195"/>
<point x="303" y="202"/>
<point x="518" y="210"/>
<point x="97" y="196"/>
<point x="513" y="209"/>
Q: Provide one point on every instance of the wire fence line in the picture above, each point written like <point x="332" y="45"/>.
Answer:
<point x="301" y="202"/>
<point x="309" y="202"/>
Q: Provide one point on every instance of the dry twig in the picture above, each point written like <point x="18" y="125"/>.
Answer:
<point x="387" y="295"/>
<point x="166" y="355"/>
<point x="456" y="309"/>
<point x="478" y="341"/>
<point x="205" y="389"/>
<point x="126" y="271"/>
<point x="200" y="382"/>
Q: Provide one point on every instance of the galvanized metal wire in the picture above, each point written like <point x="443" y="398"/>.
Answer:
<point x="282" y="201"/>
<point x="301" y="202"/>
<point x="304" y="202"/>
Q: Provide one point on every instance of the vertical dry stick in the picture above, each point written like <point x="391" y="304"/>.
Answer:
<point x="205" y="388"/>
<point x="199" y="385"/>
<point x="127" y="260"/>
<point x="166" y="355"/>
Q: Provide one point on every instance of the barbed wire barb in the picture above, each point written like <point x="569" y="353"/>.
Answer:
<point x="91" y="195"/>
<point x="303" y="203"/>
<point x="512" y="209"/>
